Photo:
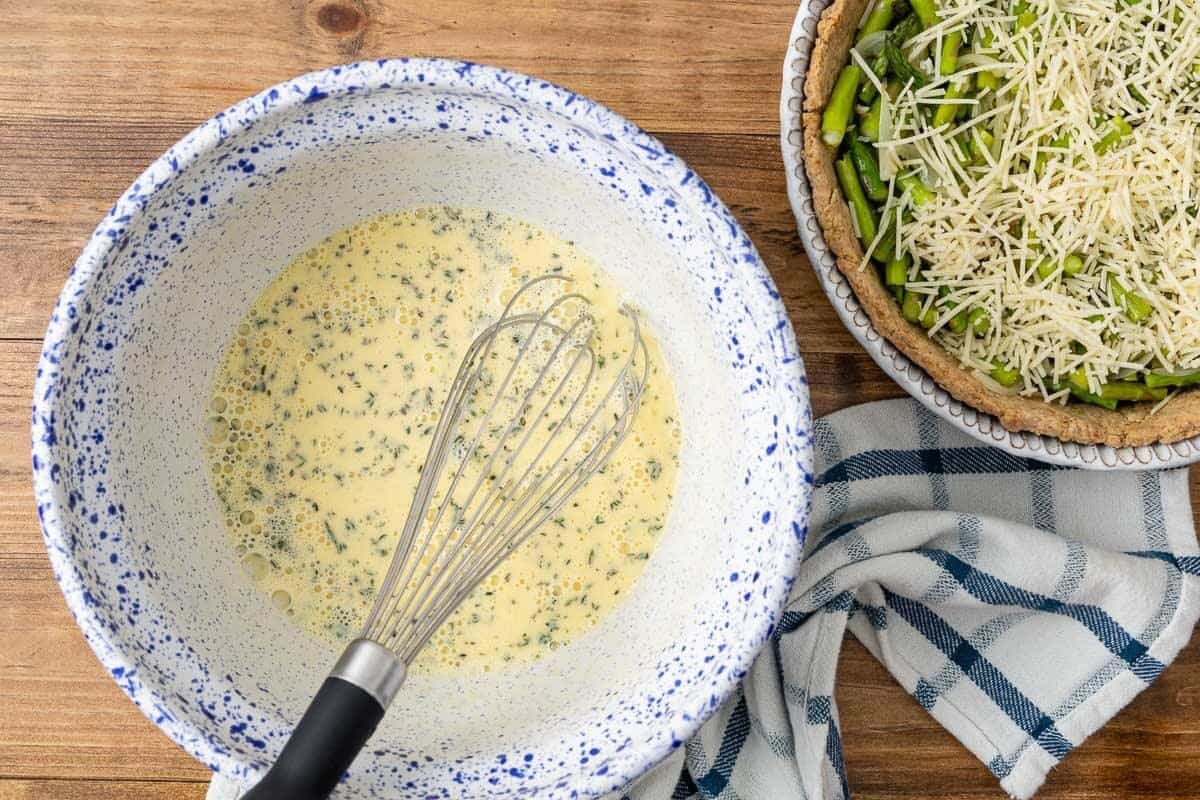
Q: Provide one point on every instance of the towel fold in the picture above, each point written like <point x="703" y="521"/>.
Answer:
<point x="1021" y="604"/>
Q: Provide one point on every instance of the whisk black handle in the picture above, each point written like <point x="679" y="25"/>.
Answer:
<point x="337" y="724"/>
<point x="332" y="731"/>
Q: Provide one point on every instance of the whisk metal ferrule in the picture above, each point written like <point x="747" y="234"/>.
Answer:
<point x="373" y="668"/>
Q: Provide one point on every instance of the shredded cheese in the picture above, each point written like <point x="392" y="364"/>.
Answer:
<point x="1052" y="185"/>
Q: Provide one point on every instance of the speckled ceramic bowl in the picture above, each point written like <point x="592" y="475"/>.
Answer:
<point x="911" y="377"/>
<point x="131" y="524"/>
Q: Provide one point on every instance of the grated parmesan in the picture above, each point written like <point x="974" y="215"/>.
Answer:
<point x="1048" y="187"/>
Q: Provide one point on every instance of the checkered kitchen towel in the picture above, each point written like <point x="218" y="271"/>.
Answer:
<point x="1022" y="605"/>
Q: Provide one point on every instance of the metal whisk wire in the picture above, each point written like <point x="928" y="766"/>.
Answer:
<point x="443" y="557"/>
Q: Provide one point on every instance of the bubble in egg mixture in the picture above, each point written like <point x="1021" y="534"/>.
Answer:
<point x="325" y="403"/>
<point x="255" y="566"/>
<point x="216" y="430"/>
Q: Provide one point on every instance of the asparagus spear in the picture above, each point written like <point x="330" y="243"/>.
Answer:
<point x="981" y="140"/>
<point x="841" y="106"/>
<point x="949" y="52"/>
<point x="869" y="126"/>
<point x="911" y="308"/>
<point x="987" y="80"/>
<point x="921" y="194"/>
<point x="1079" y="380"/>
<point x="1136" y="307"/>
<point x="899" y="66"/>
<point x="1004" y="376"/>
<point x="1130" y="391"/>
<point x="1160" y="379"/>
<point x="926" y="11"/>
<point x="946" y="112"/>
<point x="864" y="214"/>
<point x="906" y="29"/>
<point x="880" y="19"/>
<point x="896" y="271"/>
<point x="885" y="251"/>
<point x="1113" y="391"/>
<point x="1118" y="129"/>
<point x="957" y="323"/>
<point x="1093" y="399"/>
<point x="868" y="170"/>
<point x="1071" y="265"/>
<point x="868" y="91"/>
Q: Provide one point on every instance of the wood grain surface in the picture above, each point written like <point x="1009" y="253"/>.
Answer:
<point x="90" y="93"/>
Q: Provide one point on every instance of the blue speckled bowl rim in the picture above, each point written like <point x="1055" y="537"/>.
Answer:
<point x="792" y="407"/>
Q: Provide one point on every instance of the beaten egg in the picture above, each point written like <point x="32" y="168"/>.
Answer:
<point x="323" y="410"/>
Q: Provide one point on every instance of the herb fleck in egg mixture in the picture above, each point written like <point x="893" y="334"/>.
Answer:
<point x="323" y="410"/>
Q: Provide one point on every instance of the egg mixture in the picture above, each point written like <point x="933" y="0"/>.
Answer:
<point x="323" y="410"/>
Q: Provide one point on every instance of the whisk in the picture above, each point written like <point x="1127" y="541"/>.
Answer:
<point x="487" y="484"/>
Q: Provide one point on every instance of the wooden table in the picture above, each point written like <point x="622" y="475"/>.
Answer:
<point x="92" y="92"/>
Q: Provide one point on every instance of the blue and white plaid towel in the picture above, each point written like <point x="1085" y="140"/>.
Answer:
<point x="1022" y="605"/>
